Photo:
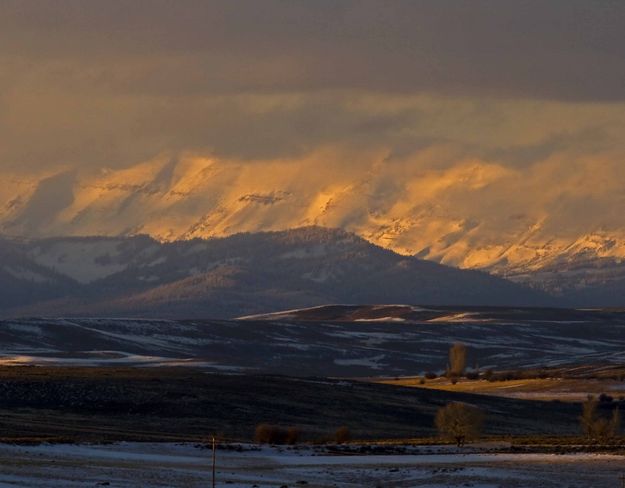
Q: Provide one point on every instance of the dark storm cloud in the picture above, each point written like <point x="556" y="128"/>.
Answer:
<point x="568" y="49"/>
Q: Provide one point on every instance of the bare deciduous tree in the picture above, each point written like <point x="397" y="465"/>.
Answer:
<point x="459" y="421"/>
<point x="342" y="435"/>
<point x="457" y="359"/>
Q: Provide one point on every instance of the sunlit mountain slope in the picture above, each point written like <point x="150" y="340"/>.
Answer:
<point x="456" y="215"/>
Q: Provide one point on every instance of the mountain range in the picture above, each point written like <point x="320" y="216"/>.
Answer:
<point x="242" y="274"/>
<point x="411" y="214"/>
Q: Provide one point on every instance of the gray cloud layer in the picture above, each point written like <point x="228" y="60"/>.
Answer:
<point x="112" y="83"/>
<point x="568" y="49"/>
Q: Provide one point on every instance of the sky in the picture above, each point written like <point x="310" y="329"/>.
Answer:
<point x="530" y="94"/>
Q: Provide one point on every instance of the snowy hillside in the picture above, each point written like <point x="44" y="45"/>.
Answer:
<point x="239" y="275"/>
<point x="327" y="341"/>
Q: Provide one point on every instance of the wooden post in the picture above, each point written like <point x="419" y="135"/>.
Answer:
<point x="214" y="458"/>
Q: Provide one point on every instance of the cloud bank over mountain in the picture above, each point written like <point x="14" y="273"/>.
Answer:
<point x="472" y="213"/>
<point x="471" y="133"/>
<point x="117" y="83"/>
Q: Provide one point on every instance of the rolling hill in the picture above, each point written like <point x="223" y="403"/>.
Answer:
<point x="343" y="341"/>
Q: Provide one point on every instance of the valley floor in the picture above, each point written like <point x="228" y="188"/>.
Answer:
<point x="136" y="465"/>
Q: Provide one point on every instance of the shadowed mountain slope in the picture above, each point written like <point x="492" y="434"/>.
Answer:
<point x="242" y="274"/>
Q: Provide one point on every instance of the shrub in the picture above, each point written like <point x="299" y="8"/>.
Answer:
<point x="274" y="434"/>
<point x="596" y="427"/>
<point x="605" y="398"/>
<point x="430" y="375"/>
<point x="266" y="434"/>
<point x="292" y="435"/>
<point x="473" y="375"/>
<point x="342" y="435"/>
<point x="507" y="376"/>
<point x="459" y="421"/>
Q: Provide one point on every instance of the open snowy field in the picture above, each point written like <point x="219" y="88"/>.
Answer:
<point x="185" y="465"/>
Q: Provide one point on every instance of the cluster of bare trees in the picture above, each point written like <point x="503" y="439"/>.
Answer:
<point x="462" y="422"/>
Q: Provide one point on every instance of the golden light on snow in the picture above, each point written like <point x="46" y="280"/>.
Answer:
<point x="459" y="149"/>
<point x="469" y="213"/>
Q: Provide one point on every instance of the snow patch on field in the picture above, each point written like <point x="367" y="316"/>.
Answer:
<point x="142" y="465"/>
<point x="24" y="328"/>
<point x="382" y="319"/>
<point x="460" y="317"/>
<point x="286" y="314"/>
<point x="113" y="358"/>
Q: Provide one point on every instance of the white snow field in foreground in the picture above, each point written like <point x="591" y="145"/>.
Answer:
<point x="184" y="465"/>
